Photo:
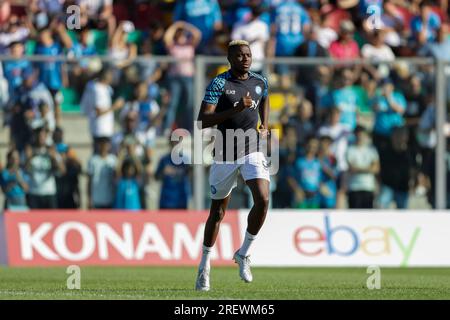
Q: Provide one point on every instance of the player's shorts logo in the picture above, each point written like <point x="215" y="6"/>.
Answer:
<point x="258" y="90"/>
<point x="213" y="190"/>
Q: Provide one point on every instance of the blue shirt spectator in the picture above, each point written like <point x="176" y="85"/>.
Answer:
<point x="308" y="174"/>
<point x="204" y="14"/>
<point x="328" y="189"/>
<point x="127" y="194"/>
<point x="347" y="100"/>
<point x="290" y="19"/>
<point x="13" y="73"/>
<point x="389" y="107"/>
<point x="175" y="187"/>
<point x="431" y="25"/>
<point x="50" y="72"/>
<point x="14" y="69"/>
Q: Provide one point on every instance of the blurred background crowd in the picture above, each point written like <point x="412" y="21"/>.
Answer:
<point x="351" y="135"/>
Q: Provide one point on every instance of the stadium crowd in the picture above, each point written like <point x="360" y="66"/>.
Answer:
<point x="360" y="135"/>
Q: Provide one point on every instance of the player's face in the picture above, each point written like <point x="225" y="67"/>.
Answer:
<point x="241" y="59"/>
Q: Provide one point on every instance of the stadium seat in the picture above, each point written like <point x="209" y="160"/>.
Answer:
<point x="99" y="39"/>
<point x="71" y="101"/>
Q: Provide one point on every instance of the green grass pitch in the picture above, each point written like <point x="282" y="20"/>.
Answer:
<point x="268" y="283"/>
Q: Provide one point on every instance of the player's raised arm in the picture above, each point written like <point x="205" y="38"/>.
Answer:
<point x="210" y="118"/>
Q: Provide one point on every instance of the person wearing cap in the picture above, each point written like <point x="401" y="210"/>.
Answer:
<point x="345" y="47"/>
<point x="364" y="165"/>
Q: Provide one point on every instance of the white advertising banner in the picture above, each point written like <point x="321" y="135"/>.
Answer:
<point x="351" y="238"/>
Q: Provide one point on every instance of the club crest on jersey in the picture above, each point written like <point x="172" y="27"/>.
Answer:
<point x="258" y="90"/>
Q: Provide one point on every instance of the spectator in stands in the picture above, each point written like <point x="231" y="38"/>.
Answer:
<point x="257" y="34"/>
<point x="12" y="182"/>
<point x="363" y="162"/>
<point x="42" y="164"/>
<point x="12" y="31"/>
<point x="139" y="145"/>
<point x="80" y="71"/>
<point x="96" y="102"/>
<point x="340" y="136"/>
<point x="302" y="122"/>
<point x="32" y="97"/>
<point x="389" y="106"/>
<point x="376" y="50"/>
<point x="439" y="49"/>
<point x="345" y="47"/>
<point x="328" y="164"/>
<point x="128" y="194"/>
<point x="344" y="97"/>
<point x="180" y="40"/>
<point x="100" y="14"/>
<point x="397" y="165"/>
<point x="290" y="23"/>
<point x="51" y="73"/>
<point x="121" y="50"/>
<point x="308" y="76"/>
<point x="149" y="114"/>
<point x="13" y="69"/>
<point x="67" y="185"/>
<point x="156" y="37"/>
<point x="175" y="188"/>
<point x="205" y="15"/>
<point x="101" y="170"/>
<point x="305" y="178"/>
<point x="425" y="25"/>
<point x="288" y="151"/>
<point x="39" y="98"/>
<point x="324" y="33"/>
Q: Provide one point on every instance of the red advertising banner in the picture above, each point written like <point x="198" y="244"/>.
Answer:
<point x="45" y="238"/>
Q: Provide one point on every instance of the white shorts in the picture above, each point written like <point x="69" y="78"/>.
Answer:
<point x="223" y="176"/>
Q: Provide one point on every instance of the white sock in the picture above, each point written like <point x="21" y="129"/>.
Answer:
<point x="243" y="251"/>
<point x="205" y="262"/>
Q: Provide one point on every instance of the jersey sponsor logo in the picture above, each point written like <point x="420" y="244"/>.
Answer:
<point x="253" y="106"/>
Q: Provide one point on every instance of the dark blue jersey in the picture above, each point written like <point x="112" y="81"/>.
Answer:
<point x="225" y="91"/>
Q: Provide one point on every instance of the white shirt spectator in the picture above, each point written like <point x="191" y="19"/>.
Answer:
<point x="98" y="96"/>
<point x="339" y="133"/>
<point x="383" y="52"/>
<point x="257" y="33"/>
<point x="101" y="170"/>
<point x="6" y="38"/>
<point x="325" y="36"/>
<point x="362" y="157"/>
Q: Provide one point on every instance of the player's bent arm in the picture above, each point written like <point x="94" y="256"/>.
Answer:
<point x="208" y="118"/>
<point x="264" y="112"/>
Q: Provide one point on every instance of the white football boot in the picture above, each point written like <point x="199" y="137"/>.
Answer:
<point x="202" y="283"/>
<point x="244" y="267"/>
